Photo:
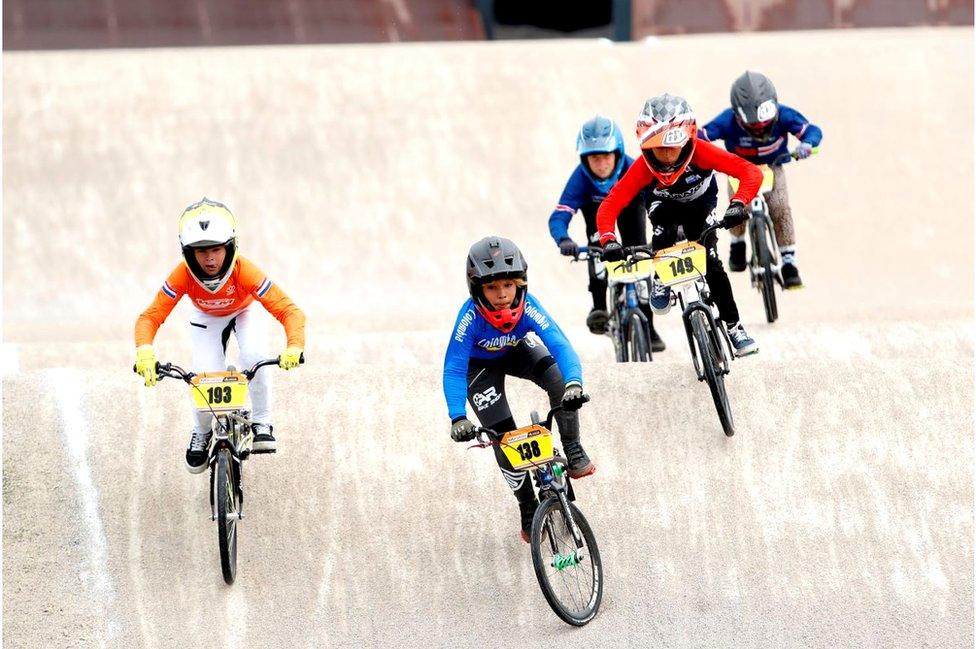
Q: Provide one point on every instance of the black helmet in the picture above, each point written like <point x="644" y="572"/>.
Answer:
<point x="754" y="104"/>
<point x="496" y="258"/>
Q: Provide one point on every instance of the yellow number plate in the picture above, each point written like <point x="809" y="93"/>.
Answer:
<point x="680" y="263"/>
<point x="527" y="446"/>
<point x="621" y="272"/>
<point x="767" y="182"/>
<point x="219" y="391"/>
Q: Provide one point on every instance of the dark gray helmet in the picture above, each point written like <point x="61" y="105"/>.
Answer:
<point x="754" y="104"/>
<point x="496" y="258"/>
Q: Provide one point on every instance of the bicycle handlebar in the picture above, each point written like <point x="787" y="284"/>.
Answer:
<point x="164" y="370"/>
<point x="494" y="436"/>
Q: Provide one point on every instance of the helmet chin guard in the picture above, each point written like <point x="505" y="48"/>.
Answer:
<point x="502" y="319"/>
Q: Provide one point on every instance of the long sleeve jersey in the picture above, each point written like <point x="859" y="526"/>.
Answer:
<point x="580" y="194"/>
<point x="738" y="141"/>
<point x="475" y="337"/>
<point x="246" y="284"/>
<point x="692" y="184"/>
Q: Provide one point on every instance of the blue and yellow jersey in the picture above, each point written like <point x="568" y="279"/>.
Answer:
<point x="475" y="337"/>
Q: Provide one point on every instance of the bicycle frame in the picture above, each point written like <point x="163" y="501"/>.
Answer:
<point x="551" y="476"/>
<point x="626" y="298"/>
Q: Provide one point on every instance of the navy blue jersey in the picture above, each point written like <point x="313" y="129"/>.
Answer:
<point x="580" y="193"/>
<point x="474" y="337"/>
<point x="738" y="141"/>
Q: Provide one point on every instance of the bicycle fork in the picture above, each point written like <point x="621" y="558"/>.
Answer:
<point x="562" y="561"/>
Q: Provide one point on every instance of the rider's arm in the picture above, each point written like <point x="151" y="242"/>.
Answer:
<point x="150" y="320"/>
<point x="555" y="341"/>
<point x="275" y="301"/>
<point x="798" y="125"/>
<point x="570" y="201"/>
<point x="718" y="128"/>
<point x="709" y="156"/>
<point x="632" y="182"/>
<point x="456" y="361"/>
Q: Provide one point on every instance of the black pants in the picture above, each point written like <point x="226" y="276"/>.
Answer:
<point x="486" y="393"/>
<point x="633" y="232"/>
<point x="666" y="216"/>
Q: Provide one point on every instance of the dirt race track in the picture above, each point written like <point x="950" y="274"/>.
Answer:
<point x="841" y="513"/>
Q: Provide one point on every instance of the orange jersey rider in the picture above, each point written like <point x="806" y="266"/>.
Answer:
<point x="223" y="287"/>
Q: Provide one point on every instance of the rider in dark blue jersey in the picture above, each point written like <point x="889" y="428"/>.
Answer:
<point x="756" y="128"/>
<point x="491" y="341"/>
<point x="600" y="146"/>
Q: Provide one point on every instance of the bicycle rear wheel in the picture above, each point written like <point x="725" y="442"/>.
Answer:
<point x="706" y="341"/>
<point x="767" y="281"/>
<point x="228" y="511"/>
<point x="637" y="339"/>
<point x="571" y="583"/>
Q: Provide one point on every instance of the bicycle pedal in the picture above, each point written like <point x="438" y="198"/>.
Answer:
<point x="263" y="451"/>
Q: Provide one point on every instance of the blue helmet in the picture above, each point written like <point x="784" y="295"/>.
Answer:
<point x="601" y="135"/>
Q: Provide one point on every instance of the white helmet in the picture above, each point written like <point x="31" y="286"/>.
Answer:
<point x="206" y="224"/>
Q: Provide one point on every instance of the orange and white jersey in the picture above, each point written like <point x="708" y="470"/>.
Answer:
<point x="245" y="284"/>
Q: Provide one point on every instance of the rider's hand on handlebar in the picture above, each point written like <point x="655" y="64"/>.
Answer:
<point x="802" y="151"/>
<point x="573" y="397"/>
<point x="462" y="430"/>
<point x="735" y="215"/>
<point x="612" y="251"/>
<point x="568" y="248"/>
<point x="290" y="358"/>
<point x="146" y="363"/>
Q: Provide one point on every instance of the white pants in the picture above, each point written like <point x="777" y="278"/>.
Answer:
<point x="209" y="335"/>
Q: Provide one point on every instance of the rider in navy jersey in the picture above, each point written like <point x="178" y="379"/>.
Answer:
<point x="602" y="161"/>
<point x="490" y="341"/>
<point x="757" y="128"/>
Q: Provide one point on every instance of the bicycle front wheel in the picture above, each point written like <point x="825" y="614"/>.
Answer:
<point x="228" y="513"/>
<point x="571" y="579"/>
<point x="767" y="282"/>
<point x="640" y="350"/>
<point x="710" y="355"/>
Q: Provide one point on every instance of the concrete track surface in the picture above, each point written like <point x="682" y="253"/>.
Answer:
<point x="840" y="514"/>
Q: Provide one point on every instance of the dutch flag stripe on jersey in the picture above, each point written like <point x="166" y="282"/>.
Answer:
<point x="265" y="287"/>
<point x="168" y="290"/>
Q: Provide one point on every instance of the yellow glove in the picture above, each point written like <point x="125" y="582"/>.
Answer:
<point x="146" y="364"/>
<point x="290" y="358"/>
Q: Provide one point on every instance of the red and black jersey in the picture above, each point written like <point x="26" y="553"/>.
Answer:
<point x="695" y="180"/>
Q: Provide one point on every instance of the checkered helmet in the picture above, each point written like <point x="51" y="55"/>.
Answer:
<point x="667" y="121"/>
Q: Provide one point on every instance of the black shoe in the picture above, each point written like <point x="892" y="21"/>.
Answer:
<point x="197" y="451"/>
<point x="264" y="441"/>
<point x="657" y="345"/>
<point x="579" y="462"/>
<point x="791" y="277"/>
<point x="526" y="514"/>
<point x="737" y="256"/>
<point x="597" y="321"/>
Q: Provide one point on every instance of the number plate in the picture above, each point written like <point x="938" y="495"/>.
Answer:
<point x="622" y="273"/>
<point x="767" y="181"/>
<point x="527" y="447"/>
<point x="679" y="264"/>
<point x="219" y="391"/>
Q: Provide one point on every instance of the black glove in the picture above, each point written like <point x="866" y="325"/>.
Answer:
<point x="735" y="215"/>
<point x="568" y="248"/>
<point x="573" y="397"/>
<point x="612" y="251"/>
<point x="462" y="430"/>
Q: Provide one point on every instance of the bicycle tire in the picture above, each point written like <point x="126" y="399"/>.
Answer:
<point x="543" y="539"/>
<point x="637" y="343"/>
<point x="767" y="282"/>
<point x="228" y="507"/>
<point x="709" y="356"/>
